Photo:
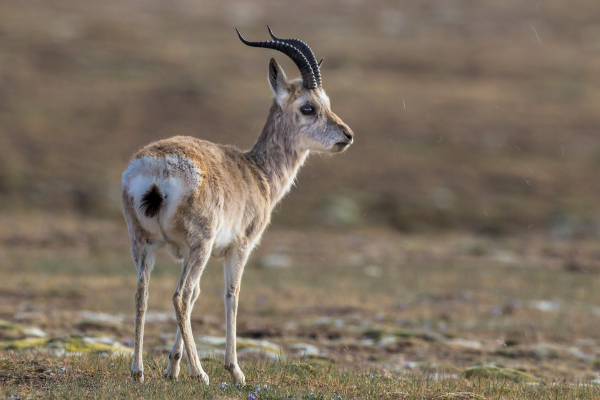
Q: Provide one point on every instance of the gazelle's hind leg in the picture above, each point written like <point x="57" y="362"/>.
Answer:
<point x="183" y="300"/>
<point x="176" y="353"/>
<point x="143" y="252"/>
<point x="234" y="268"/>
<point x="172" y="371"/>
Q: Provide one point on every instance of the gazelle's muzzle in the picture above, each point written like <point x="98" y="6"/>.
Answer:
<point x="346" y="141"/>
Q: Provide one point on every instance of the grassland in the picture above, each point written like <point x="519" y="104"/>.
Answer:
<point x="102" y="378"/>
<point x="416" y="312"/>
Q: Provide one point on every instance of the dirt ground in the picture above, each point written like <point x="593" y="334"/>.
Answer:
<point x="363" y="299"/>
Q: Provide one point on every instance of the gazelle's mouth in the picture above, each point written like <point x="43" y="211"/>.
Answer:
<point x="341" y="146"/>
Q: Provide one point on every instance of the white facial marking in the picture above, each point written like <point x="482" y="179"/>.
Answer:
<point x="324" y="98"/>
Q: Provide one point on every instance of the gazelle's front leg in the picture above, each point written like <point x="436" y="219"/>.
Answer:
<point x="144" y="261"/>
<point x="234" y="268"/>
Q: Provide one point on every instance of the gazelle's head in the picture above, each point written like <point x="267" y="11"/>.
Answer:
<point x="302" y="103"/>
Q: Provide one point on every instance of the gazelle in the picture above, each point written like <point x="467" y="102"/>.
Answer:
<point x="203" y="199"/>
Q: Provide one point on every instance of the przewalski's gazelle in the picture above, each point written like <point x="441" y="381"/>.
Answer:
<point x="203" y="199"/>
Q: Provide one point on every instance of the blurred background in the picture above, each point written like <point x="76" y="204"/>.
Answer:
<point x="468" y="203"/>
<point x="475" y="116"/>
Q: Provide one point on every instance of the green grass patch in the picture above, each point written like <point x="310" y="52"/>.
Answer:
<point x="93" y="376"/>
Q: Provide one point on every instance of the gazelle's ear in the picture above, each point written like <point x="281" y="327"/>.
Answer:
<point x="278" y="81"/>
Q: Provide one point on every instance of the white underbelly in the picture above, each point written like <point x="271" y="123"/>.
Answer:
<point x="227" y="234"/>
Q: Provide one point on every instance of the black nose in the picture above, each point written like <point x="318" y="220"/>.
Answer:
<point x="349" y="134"/>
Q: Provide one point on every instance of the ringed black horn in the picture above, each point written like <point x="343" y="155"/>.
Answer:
<point x="306" y="51"/>
<point x="306" y="71"/>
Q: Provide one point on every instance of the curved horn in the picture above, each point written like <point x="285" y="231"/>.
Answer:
<point x="308" y="77"/>
<point x="306" y="51"/>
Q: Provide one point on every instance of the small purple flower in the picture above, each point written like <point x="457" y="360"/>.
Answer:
<point x="265" y="387"/>
<point x="312" y="394"/>
<point x="223" y="385"/>
<point x="339" y="397"/>
<point x="250" y="397"/>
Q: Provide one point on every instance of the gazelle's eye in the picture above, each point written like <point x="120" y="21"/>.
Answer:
<point x="307" y="109"/>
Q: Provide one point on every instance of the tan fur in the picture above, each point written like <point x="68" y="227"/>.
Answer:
<point x="217" y="200"/>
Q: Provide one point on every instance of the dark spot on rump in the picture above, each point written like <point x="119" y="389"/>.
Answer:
<point x="151" y="202"/>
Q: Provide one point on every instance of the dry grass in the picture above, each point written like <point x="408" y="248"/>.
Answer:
<point x="403" y="308"/>
<point x="103" y="378"/>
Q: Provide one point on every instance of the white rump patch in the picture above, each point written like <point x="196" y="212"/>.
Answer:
<point x="176" y="178"/>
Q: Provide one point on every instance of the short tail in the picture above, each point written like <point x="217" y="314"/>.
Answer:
<point x="152" y="201"/>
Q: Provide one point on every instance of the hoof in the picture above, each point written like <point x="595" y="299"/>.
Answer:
<point x="236" y="374"/>
<point x="172" y="372"/>
<point x="202" y="378"/>
<point x="171" y="377"/>
<point x="137" y="376"/>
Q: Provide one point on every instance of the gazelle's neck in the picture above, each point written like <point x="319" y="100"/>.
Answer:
<point x="277" y="155"/>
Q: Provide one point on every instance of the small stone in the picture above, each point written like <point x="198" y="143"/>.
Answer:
<point x="373" y="271"/>
<point x="464" y="343"/>
<point x="545" y="305"/>
<point x="276" y="260"/>
<point x="104" y="317"/>
<point x="577" y="353"/>
<point x="340" y="211"/>
<point x="305" y="349"/>
<point x="36" y="332"/>
<point x="153" y="316"/>
<point x="387" y="340"/>
<point x="496" y="372"/>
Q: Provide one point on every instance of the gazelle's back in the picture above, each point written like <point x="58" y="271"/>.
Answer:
<point x="176" y="184"/>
